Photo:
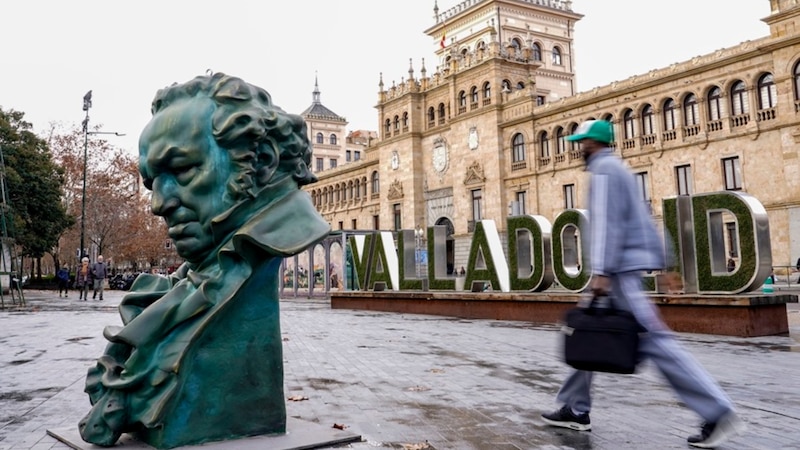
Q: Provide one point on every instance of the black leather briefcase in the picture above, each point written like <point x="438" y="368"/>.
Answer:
<point x="601" y="339"/>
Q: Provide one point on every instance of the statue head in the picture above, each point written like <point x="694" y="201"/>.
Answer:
<point x="215" y="144"/>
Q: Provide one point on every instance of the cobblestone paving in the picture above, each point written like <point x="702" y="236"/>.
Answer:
<point x="401" y="380"/>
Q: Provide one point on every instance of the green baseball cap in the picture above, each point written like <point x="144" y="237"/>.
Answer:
<point x="596" y="130"/>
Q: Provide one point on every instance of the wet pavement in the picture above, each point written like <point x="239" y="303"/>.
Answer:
<point x="406" y="381"/>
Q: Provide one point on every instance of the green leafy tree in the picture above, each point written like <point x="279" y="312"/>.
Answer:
<point x="36" y="216"/>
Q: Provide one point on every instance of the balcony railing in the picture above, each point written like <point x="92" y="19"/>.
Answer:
<point x="766" y="114"/>
<point x="740" y="120"/>
<point x="691" y="130"/>
<point x="628" y="144"/>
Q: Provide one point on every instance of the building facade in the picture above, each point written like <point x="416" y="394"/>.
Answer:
<point x="483" y="135"/>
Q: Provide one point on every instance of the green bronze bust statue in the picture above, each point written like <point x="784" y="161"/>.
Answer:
<point x="199" y="355"/>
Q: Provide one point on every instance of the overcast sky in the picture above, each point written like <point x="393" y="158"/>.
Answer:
<point x="53" y="51"/>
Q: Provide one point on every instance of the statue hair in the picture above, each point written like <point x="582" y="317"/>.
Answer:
<point x="265" y="142"/>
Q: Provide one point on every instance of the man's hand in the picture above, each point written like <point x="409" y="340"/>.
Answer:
<point x="600" y="285"/>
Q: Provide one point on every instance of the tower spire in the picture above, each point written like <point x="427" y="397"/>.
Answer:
<point x="315" y="95"/>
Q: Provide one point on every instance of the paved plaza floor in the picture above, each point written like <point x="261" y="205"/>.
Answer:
<point x="405" y="381"/>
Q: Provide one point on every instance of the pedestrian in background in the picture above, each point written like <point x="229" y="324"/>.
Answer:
<point x="83" y="278"/>
<point x="63" y="281"/>
<point x="99" y="275"/>
<point x="624" y="242"/>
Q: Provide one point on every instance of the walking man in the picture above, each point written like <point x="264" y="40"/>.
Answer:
<point x="99" y="274"/>
<point x="623" y="242"/>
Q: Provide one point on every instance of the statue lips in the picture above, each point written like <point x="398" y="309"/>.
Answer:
<point x="185" y="230"/>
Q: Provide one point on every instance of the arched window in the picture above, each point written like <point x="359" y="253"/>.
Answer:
<point x="691" y="113"/>
<point x="670" y="115"/>
<point x="518" y="148"/>
<point x="629" y="122"/>
<point x="405" y="120"/>
<point x="537" y="51"/>
<point x="796" y="81"/>
<point x="358" y="189"/>
<point x="573" y="144"/>
<point x="561" y="141"/>
<point x="396" y="123"/>
<point x="376" y="185"/>
<point x="473" y="95"/>
<point x="364" y="187"/>
<point x="431" y="115"/>
<point x="462" y="101"/>
<point x="487" y="91"/>
<point x="556" y="56"/>
<point x="715" y="111"/>
<point x="739" y="103"/>
<point x="517" y="46"/>
<point x="544" y="145"/>
<point x="767" y="92"/>
<point x="506" y="86"/>
<point x="520" y="85"/>
<point x="333" y="139"/>
<point x="610" y="119"/>
<point x="320" y="138"/>
<point x="387" y="127"/>
<point x="441" y="113"/>
<point x="647" y="120"/>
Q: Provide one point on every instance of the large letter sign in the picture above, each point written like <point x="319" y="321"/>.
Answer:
<point x="538" y="253"/>
<point x="698" y="230"/>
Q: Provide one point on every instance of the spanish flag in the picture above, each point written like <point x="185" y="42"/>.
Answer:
<point x="442" y="42"/>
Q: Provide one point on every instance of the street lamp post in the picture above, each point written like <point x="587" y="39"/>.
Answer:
<point x="87" y="103"/>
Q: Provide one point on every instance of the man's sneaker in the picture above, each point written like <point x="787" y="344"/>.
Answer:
<point x="564" y="417"/>
<point x="713" y="434"/>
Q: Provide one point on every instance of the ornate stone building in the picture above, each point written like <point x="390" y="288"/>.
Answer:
<point x="326" y="132"/>
<point x="482" y="136"/>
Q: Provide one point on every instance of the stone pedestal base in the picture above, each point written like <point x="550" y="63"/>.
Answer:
<point x="299" y="435"/>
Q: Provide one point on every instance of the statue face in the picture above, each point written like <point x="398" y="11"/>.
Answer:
<point x="188" y="174"/>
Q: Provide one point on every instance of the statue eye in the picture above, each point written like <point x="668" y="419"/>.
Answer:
<point x="184" y="174"/>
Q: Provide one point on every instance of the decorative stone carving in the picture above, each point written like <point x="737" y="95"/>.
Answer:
<point x="474" y="174"/>
<point x="395" y="190"/>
